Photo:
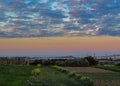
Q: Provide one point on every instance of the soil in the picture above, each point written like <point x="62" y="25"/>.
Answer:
<point x="88" y="70"/>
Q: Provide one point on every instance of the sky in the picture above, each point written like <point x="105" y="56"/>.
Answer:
<point x="59" y="27"/>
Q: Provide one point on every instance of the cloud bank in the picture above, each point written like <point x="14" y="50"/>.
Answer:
<point x="48" y="18"/>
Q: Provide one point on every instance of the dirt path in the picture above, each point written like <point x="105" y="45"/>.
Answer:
<point x="88" y="70"/>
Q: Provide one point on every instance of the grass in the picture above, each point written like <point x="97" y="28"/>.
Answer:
<point x="104" y="79"/>
<point x="103" y="76"/>
<point x="109" y="67"/>
<point x="52" y="77"/>
<point x="14" y="75"/>
<point x="22" y="76"/>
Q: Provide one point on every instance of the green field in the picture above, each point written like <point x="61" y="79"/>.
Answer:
<point x="105" y="79"/>
<point x="100" y="77"/>
<point x="14" y="75"/>
<point x="103" y="76"/>
<point x="48" y="76"/>
<point x="109" y="67"/>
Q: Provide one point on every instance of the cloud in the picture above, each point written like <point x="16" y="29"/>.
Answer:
<point x="46" y="18"/>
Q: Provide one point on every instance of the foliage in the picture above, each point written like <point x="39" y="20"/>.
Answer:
<point x="83" y="81"/>
<point x="15" y="75"/>
<point x="104" y="79"/>
<point x="72" y="74"/>
<point x="102" y="76"/>
<point x="36" y="71"/>
<point x="56" y="78"/>
<point x="38" y="65"/>
<point x="60" y="69"/>
<point x="92" y="61"/>
<point x="118" y="64"/>
<point x="53" y="77"/>
<point x="110" y="67"/>
<point x="62" y="62"/>
<point x="86" y="81"/>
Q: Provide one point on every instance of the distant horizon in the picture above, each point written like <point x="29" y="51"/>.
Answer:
<point x="56" y="46"/>
<point x="59" y="54"/>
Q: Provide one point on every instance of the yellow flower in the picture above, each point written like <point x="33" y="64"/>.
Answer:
<point x="36" y="71"/>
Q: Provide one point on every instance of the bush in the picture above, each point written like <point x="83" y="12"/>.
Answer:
<point x="38" y="65"/>
<point x="84" y="81"/>
<point x="72" y="74"/>
<point x="92" y="61"/>
<point x="60" y="69"/>
<point x="36" y="71"/>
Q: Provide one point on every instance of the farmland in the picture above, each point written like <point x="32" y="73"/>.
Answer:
<point x="59" y="76"/>
<point x="48" y="76"/>
<point x="110" y="67"/>
<point x="100" y="77"/>
<point x="14" y="75"/>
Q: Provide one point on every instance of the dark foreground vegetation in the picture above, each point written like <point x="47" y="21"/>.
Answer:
<point x="40" y="76"/>
<point x="14" y="75"/>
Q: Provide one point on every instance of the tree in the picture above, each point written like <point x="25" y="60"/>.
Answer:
<point x="92" y="61"/>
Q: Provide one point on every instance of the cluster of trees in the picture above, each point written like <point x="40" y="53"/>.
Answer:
<point x="13" y="61"/>
<point x="87" y="61"/>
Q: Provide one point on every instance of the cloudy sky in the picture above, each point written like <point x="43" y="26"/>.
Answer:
<point x="59" y="26"/>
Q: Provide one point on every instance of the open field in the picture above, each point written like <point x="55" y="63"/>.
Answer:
<point x="48" y="76"/>
<point x="14" y="75"/>
<point x="22" y="76"/>
<point x="53" y="77"/>
<point x="100" y="77"/>
<point x="88" y="70"/>
<point x="109" y="67"/>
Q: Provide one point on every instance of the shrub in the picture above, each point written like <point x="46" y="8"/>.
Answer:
<point x="84" y="81"/>
<point x="92" y="61"/>
<point x="36" y="71"/>
<point x="78" y="76"/>
<point x="38" y="65"/>
<point x="60" y="69"/>
<point x="72" y="74"/>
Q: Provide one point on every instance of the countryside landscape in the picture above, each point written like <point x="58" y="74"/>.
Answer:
<point x="59" y="42"/>
<point x="60" y="71"/>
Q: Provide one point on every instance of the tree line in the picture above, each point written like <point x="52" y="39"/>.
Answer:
<point x="86" y="61"/>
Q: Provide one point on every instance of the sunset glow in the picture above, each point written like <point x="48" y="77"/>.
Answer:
<point x="59" y="26"/>
<point x="60" y="45"/>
